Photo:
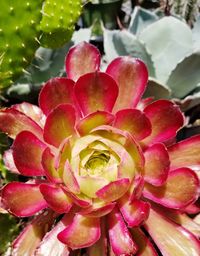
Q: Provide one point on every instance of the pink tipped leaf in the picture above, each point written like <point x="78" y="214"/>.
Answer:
<point x="114" y="190"/>
<point x="95" y="91"/>
<point x="32" y="111"/>
<point x="81" y="59"/>
<point x="180" y="189"/>
<point x="59" y="124"/>
<point x="131" y="76"/>
<point x="27" y="154"/>
<point x="156" y="164"/>
<point x="91" y="121"/>
<point x="135" y="212"/>
<point x="166" y="119"/>
<point x="171" y="239"/>
<point x="56" y="91"/>
<point x="82" y="232"/>
<point x="50" y="172"/>
<point x="70" y="180"/>
<point x="120" y="238"/>
<point x="12" y="122"/>
<point x="50" y="245"/>
<point x="133" y="121"/>
<point x="31" y="236"/>
<point x="98" y="211"/>
<point x="56" y="198"/>
<point x="185" y="153"/>
<point x="22" y="199"/>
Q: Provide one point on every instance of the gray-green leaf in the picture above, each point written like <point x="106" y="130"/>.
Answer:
<point x="168" y="40"/>
<point x="186" y="76"/>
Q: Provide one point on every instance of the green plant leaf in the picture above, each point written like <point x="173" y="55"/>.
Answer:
<point x="169" y="41"/>
<point x="157" y="90"/>
<point x="140" y="19"/>
<point x="18" y="37"/>
<point x="58" y="20"/>
<point x="186" y="76"/>
<point x="123" y="43"/>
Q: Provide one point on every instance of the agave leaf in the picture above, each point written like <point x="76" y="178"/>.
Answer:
<point x="140" y="19"/>
<point x="82" y="34"/>
<point x="157" y="90"/>
<point x="196" y="34"/>
<point x="186" y="76"/>
<point x="123" y="43"/>
<point x="168" y="41"/>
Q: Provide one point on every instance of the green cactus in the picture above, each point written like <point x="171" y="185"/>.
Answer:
<point x="57" y="24"/>
<point x="18" y="37"/>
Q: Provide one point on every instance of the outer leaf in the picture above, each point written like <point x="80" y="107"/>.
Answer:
<point x="168" y="41"/>
<point x="185" y="77"/>
<point x="196" y="34"/>
<point x="122" y="43"/>
<point x="171" y="238"/>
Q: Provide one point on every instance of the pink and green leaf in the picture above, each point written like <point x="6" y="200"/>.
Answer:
<point x="133" y="121"/>
<point x="156" y="164"/>
<point x="171" y="239"/>
<point x="27" y="154"/>
<point x="89" y="228"/>
<point x="59" y="124"/>
<point x="120" y="238"/>
<point x="56" y="91"/>
<point x="180" y="189"/>
<point x="131" y="76"/>
<point x="95" y="91"/>
<point x="81" y="59"/>
<point x="166" y="119"/>
<point x="22" y="199"/>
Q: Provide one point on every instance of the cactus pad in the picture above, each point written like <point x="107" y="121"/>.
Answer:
<point x="58" y="21"/>
<point x="18" y="37"/>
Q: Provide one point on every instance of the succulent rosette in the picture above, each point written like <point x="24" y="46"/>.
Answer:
<point x="102" y="167"/>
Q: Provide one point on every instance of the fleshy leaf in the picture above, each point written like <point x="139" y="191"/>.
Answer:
<point x="29" y="239"/>
<point x="89" y="228"/>
<point x="156" y="164"/>
<point x="93" y="120"/>
<point x="59" y="124"/>
<point x="32" y="111"/>
<point x="96" y="91"/>
<point x="70" y="180"/>
<point x="131" y="76"/>
<point x="81" y="59"/>
<point x="180" y="189"/>
<point x="134" y="212"/>
<point x="171" y="239"/>
<point x="166" y="119"/>
<point x="48" y="165"/>
<point x="98" y="211"/>
<point x="120" y="238"/>
<point x="133" y="121"/>
<point x="27" y="154"/>
<point x="9" y="161"/>
<point x="58" y="90"/>
<point x="22" y="199"/>
<point x="56" y="198"/>
<point x="185" y="153"/>
<point x="50" y="245"/>
<point x="13" y="122"/>
<point x="113" y="190"/>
